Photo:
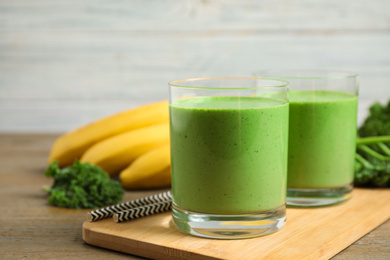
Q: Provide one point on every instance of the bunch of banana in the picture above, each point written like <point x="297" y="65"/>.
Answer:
<point x="133" y="144"/>
<point x="150" y="170"/>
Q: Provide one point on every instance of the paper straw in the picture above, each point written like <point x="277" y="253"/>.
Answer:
<point x="142" y="211"/>
<point x="110" y="210"/>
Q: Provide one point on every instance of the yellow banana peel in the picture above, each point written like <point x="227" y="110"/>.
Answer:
<point x="116" y="153"/>
<point x="71" y="146"/>
<point x="150" y="170"/>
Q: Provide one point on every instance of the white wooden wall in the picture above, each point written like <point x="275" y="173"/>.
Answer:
<point x="66" y="63"/>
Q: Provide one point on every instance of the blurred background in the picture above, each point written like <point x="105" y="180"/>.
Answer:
<point x="66" y="63"/>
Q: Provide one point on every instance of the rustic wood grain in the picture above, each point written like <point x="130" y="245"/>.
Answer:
<point x="318" y="233"/>
<point x="31" y="228"/>
<point x="375" y="245"/>
<point x="66" y="63"/>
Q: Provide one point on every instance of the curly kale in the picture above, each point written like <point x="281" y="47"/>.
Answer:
<point x="372" y="162"/>
<point x="378" y="121"/>
<point x="372" y="159"/>
<point x="82" y="185"/>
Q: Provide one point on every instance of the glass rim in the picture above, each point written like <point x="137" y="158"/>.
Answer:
<point x="327" y="74"/>
<point x="282" y="84"/>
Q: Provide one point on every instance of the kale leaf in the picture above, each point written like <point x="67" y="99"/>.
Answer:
<point x="372" y="158"/>
<point x="82" y="185"/>
<point x="377" y="122"/>
<point x="372" y="162"/>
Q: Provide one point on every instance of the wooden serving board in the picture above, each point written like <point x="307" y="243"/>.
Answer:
<point x="317" y="233"/>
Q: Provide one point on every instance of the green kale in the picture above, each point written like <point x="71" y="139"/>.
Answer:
<point x="372" y="162"/>
<point x="82" y="185"/>
<point x="378" y="121"/>
<point x="372" y="158"/>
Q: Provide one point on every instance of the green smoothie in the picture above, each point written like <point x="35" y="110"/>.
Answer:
<point x="322" y="136"/>
<point x="229" y="154"/>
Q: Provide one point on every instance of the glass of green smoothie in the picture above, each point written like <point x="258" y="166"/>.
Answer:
<point x="229" y="140"/>
<point x="322" y="135"/>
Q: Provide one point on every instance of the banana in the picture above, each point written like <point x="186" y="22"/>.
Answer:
<point x="72" y="145"/>
<point x="116" y="153"/>
<point x="150" y="170"/>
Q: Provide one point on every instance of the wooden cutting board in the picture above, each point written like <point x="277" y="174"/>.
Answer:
<point x="317" y="233"/>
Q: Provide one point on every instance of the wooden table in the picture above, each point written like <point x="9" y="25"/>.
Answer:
<point x="31" y="228"/>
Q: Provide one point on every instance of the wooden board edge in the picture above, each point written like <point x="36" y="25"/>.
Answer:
<point x="328" y="251"/>
<point x="137" y="248"/>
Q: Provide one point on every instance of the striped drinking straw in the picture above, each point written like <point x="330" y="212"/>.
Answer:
<point x="111" y="210"/>
<point x="142" y="211"/>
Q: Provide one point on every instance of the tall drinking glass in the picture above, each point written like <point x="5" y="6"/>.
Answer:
<point x="322" y="135"/>
<point x="229" y="156"/>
